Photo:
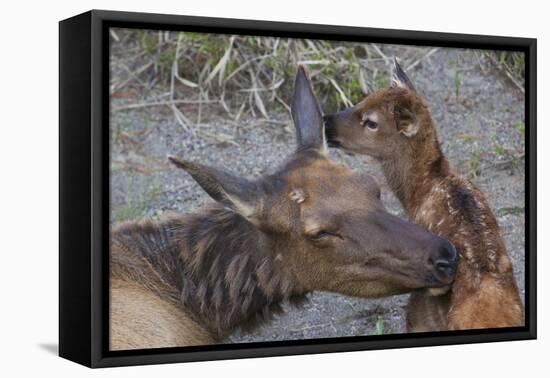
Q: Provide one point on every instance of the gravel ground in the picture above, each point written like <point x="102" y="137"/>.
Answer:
<point x="480" y="130"/>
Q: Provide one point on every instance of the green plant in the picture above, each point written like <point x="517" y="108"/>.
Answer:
<point x="135" y="207"/>
<point x="474" y="165"/>
<point x="512" y="63"/>
<point x="147" y="41"/>
<point x="498" y="148"/>
<point x="351" y="305"/>
<point x="511" y="210"/>
<point x="382" y="81"/>
<point x="456" y="80"/>
<point x="517" y="161"/>
<point x="452" y="63"/>
<point x="468" y="138"/>
<point x="520" y="127"/>
<point x="379" y="326"/>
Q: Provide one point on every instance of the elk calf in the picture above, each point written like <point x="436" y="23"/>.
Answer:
<point x="395" y="127"/>
<point x="312" y="225"/>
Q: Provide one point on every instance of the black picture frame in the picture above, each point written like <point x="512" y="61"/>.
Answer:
<point x="84" y="188"/>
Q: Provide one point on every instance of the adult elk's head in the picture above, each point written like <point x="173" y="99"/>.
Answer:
<point x="325" y="224"/>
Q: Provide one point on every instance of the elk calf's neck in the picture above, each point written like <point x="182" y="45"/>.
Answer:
<point x="311" y="225"/>
<point x="395" y="127"/>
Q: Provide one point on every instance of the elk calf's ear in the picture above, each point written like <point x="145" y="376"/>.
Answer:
<point x="400" y="78"/>
<point x="407" y="123"/>
<point x="307" y="116"/>
<point x="238" y="194"/>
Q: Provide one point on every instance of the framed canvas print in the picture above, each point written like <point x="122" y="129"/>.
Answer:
<point x="234" y="188"/>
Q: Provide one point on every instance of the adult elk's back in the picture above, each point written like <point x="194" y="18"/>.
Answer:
<point x="312" y="225"/>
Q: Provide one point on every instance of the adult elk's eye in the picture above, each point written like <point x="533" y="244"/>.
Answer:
<point x="371" y="124"/>
<point x="321" y="235"/>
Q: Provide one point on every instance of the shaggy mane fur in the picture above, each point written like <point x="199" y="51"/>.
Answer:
<point x="212" y="263"/>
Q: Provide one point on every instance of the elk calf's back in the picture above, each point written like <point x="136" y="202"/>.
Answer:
<point x="395" y="127"/>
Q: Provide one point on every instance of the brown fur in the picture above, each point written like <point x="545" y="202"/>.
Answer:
<point x="215" y="271"/>
<point x="484" y="294"/>
<point x="312" y="225"/>
<point x="160" y="323"/>
<point x="211" y="286"/>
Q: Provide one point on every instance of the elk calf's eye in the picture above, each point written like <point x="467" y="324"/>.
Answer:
<point x="371" y="124"/>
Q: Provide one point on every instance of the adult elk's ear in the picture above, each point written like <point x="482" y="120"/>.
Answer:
<point x="400" y="78"/>
<point x="307" y="116"/>
<point x="240" y="195"/>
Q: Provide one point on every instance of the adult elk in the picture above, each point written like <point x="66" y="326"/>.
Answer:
<point x="395" y="127"/>
<point x="312" y="225"/>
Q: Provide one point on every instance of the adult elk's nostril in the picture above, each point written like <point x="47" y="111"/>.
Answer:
<point x="447" y="251"/>
<point x="445" y="262"/>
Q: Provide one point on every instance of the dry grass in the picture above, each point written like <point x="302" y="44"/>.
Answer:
<point x="196" y="75"/>
<point x="511" y="64"/>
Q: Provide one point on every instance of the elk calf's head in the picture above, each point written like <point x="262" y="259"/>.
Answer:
<point x="324" y="224"/>
<point x="386" y="123"/>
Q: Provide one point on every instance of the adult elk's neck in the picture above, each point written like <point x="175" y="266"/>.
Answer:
<point x="228" y="276"/>
<point x="418" y="166"/>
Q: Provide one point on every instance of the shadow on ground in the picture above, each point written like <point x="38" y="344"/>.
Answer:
<point x="52" y="348"/>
